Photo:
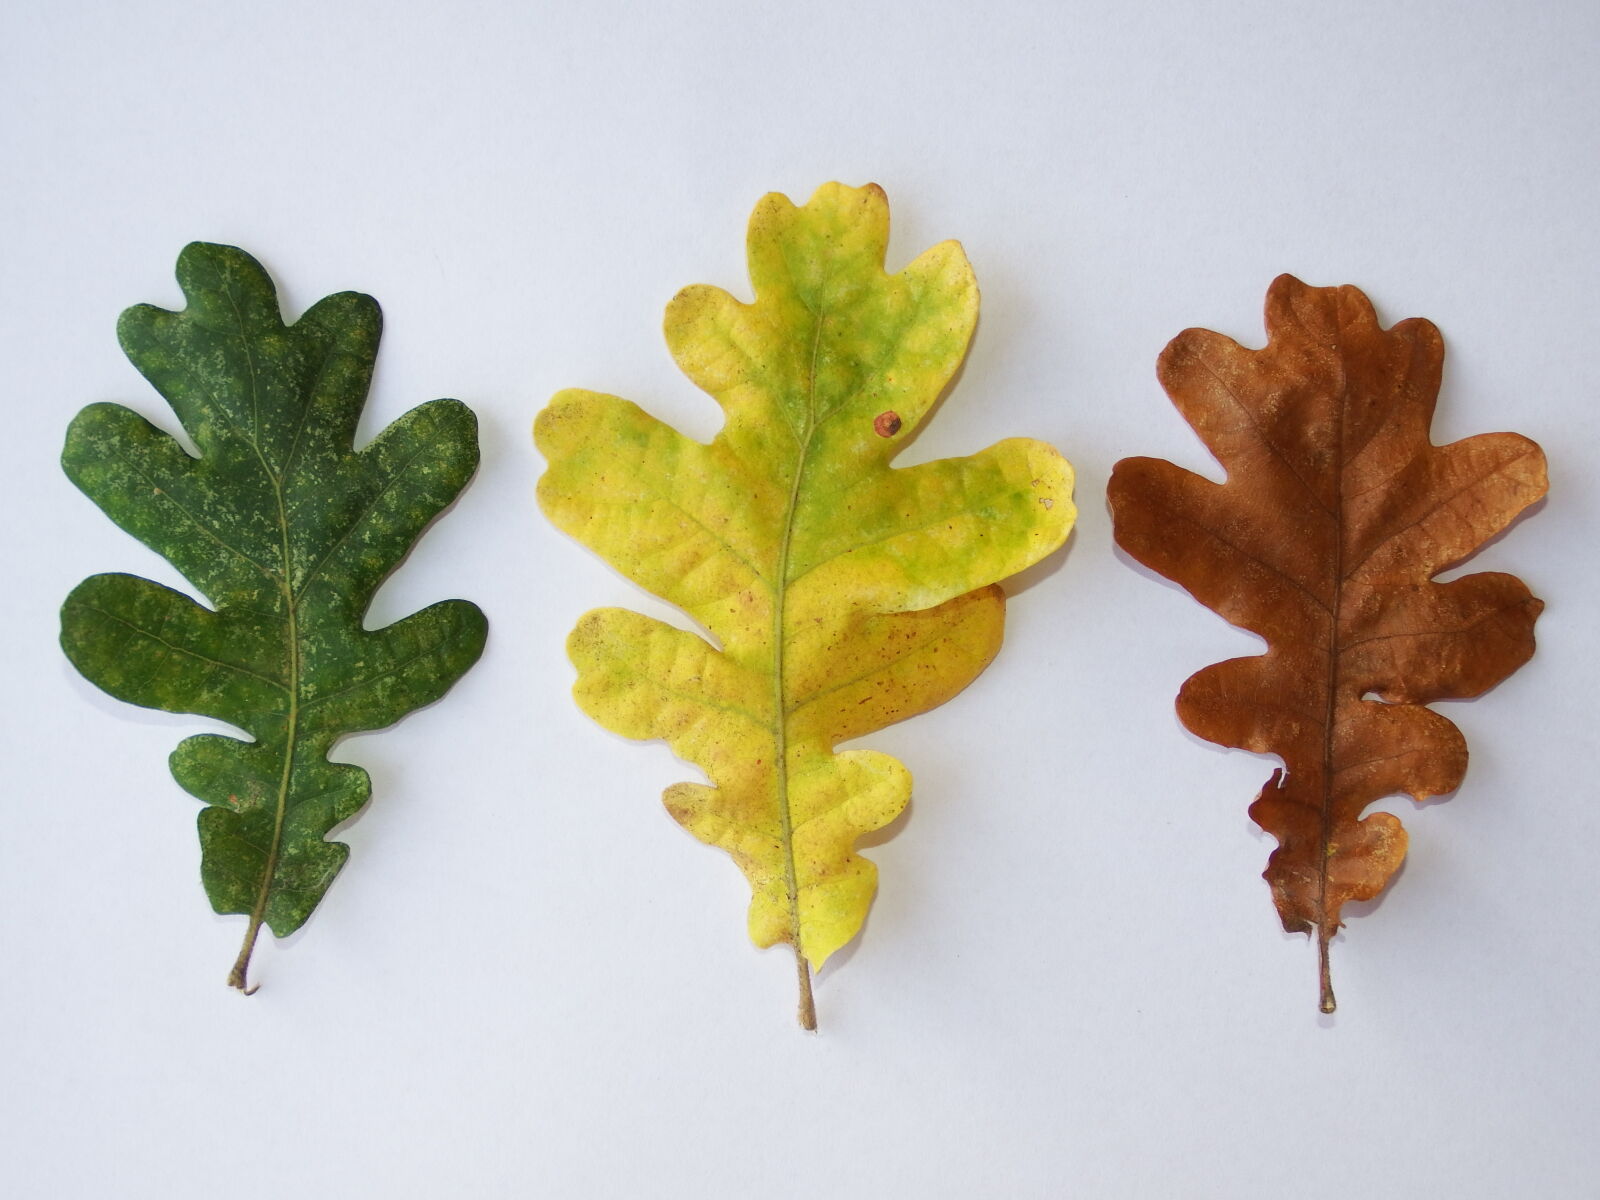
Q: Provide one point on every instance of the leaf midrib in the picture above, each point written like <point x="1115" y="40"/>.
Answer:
<point x="1335" y="673"/>
<point x="291" y="609"/>
<point x="780" y="714"/>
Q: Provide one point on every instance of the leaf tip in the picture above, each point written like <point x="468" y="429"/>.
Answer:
<point x="202" y="266"/>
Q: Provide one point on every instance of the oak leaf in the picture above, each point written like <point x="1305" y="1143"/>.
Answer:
<point x="844" y="594"/>
<point x="288" y="530"/>
<point x="1336" y="515"/>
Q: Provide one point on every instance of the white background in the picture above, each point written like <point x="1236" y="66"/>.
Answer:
<point x="529" y="981"/>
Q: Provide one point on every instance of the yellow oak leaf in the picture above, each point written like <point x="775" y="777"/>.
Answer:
<point x="844" y="594"/>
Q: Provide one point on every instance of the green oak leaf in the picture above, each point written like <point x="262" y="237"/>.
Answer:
<point x="288" y="530"/>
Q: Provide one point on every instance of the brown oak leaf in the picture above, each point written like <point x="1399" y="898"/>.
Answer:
<point x="1336" y="514"/>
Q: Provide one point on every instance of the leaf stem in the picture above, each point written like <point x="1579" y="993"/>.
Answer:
<point x="241" y="965"/>
<point x="808" y="1006"/>
<point x="1328" y="1002"/>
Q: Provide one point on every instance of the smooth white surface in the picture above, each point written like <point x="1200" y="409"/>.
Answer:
<point x="529" y="981"/>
